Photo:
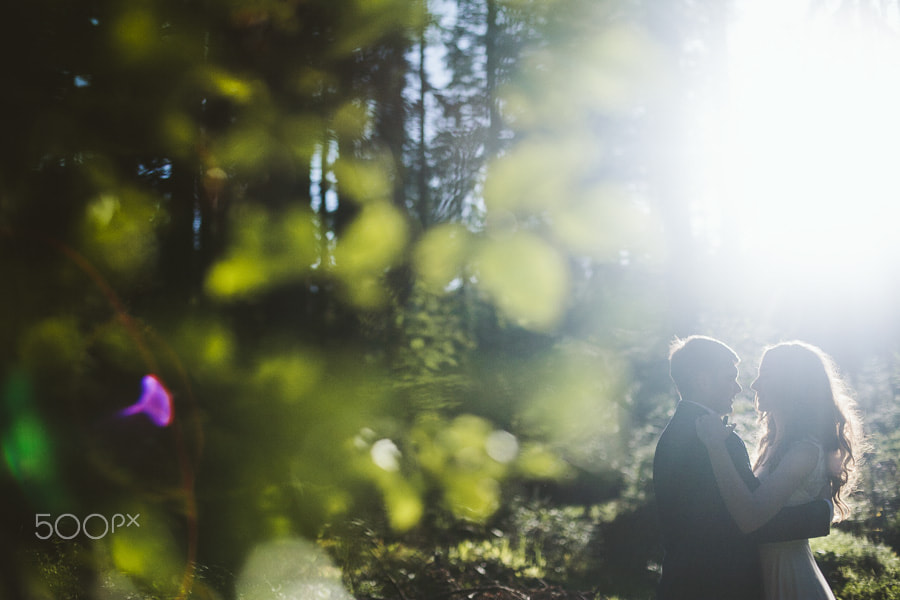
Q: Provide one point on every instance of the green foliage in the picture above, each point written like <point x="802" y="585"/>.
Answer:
<point x="268" y="251"/>
<point x="404" y="309"/>
<point x="415" y="565"/>
<point x="878" y="493"/>
<point x="857" y="568"/>
<point x="500" y="553"/>
<point x="557" y="538"/>
<point x="535" y="547"/>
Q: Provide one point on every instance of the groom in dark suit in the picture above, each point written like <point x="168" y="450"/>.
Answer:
<point x="706" y="555"/>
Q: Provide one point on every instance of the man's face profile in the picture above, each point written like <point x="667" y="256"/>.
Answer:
<point x="717" y="387"/>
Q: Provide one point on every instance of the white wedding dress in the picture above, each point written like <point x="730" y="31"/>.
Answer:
<point x="789" y="570"/>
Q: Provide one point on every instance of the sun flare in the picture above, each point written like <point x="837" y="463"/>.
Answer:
<point x="803" y="151"/>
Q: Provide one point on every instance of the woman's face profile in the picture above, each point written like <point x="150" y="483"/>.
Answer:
<point x="788" y="376"/>
<point x="766" y="389"/>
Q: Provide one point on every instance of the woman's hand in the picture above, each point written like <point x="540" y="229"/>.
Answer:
<point x="712" y="431"/>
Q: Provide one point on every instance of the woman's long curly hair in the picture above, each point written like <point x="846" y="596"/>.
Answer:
<point x="813" y="403"/>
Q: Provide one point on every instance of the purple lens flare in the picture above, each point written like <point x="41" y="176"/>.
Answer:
<point x="155" y="402"/>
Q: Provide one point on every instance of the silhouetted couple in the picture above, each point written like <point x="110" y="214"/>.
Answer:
<point x="731" y="531"/>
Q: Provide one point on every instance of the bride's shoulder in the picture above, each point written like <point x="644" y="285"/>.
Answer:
<point x="803" y="455"/>
<point x="812" y="448"/>
<point x="807" y="442"/>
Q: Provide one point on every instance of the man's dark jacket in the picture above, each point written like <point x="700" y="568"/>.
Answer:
<point x="706" y="555"/>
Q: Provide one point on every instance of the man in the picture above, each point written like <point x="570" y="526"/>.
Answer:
<point x="706" y="555"/>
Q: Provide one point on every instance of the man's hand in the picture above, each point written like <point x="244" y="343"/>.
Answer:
<point x="712" y="431"/>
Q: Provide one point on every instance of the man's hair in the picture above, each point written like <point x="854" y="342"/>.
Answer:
<point x="694" y="355"/>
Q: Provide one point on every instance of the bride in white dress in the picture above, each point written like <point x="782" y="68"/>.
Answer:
<point x="806" y="452"/>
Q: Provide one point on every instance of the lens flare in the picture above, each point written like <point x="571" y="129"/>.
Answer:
<point x="155" y="402"/>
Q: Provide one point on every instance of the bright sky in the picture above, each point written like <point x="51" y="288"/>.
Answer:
<point x="800" y="164"/>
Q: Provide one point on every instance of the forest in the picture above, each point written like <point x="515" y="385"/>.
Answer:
<point x="372" y="299"/>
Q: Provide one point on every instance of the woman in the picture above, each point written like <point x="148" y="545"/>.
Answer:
<point x="806" y="451"/>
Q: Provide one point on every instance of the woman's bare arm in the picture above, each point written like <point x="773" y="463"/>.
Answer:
<point x="751" y="510"/>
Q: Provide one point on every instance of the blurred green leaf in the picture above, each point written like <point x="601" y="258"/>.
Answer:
<point x="119" y="231"/>
<point x="364" y="182"/>
<point x="288" y="377"/>
<point x="441" y="255"/>
<point x="268" y="250"/>
<point x="527" y="278"/>
<point x="136" y="32"/>
<point x="372" y="243"/>
<point x="148" y="552"/>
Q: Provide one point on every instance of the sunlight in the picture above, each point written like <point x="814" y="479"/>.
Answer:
<point x="802" y="154"/>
